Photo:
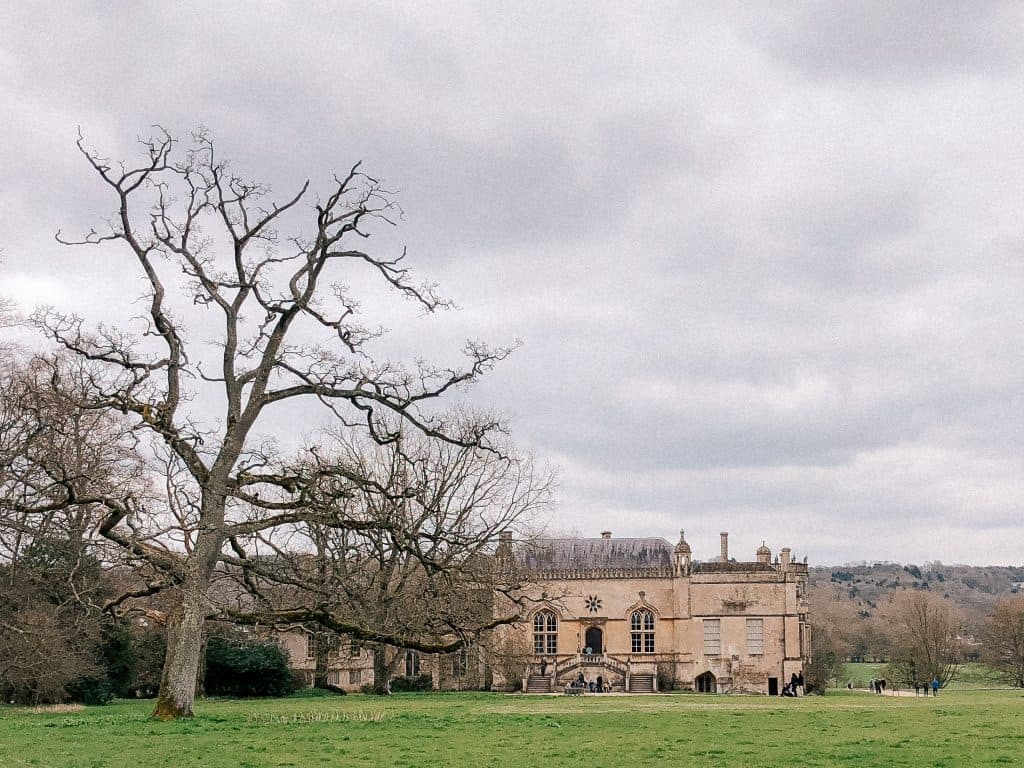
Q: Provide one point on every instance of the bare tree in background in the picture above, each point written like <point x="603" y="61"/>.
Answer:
<point x="925" y="638"/>
<point x="414" y="558"/>
<point x="52" y="584"/>
<point x="284" y="333"/>
<point x="51" y="449"/>
<point x="1003" y="640"/>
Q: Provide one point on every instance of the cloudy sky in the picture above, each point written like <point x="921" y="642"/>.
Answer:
<point x="765" y="259"/>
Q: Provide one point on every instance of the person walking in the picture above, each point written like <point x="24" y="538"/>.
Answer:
<point x="935" y="686"/>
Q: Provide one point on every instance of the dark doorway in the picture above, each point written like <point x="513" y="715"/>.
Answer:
<point x="593" y="640"/>
<point x="706" y="683"/>
<point x="773" y="686"/>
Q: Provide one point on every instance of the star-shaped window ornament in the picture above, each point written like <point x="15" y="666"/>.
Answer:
<point x="593" y="603"/>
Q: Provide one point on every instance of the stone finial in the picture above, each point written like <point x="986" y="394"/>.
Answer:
<point x="682" y="546"/>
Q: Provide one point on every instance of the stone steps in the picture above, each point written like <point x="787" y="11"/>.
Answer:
<point x="538" y="684"/>
<point x="641" y="683"/>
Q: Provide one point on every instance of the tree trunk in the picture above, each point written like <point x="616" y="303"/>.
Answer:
<point x="382" y="671"/>
<point x="322" y="655"/>
<point x="188" y="621"/>
<point x="181" y="664"/>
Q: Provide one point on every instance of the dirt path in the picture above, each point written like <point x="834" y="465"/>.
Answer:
<point x="898" y="692"/>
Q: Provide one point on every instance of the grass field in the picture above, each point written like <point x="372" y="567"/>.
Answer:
<point x="422" y="730"/>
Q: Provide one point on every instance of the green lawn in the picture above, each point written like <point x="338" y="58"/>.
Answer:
<point x="482" y="730"/>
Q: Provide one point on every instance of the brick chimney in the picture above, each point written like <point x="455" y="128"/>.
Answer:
<point x="786" y="557"/>
<point x="725" y="546"/>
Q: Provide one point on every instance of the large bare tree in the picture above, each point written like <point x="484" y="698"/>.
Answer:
<point x="925" y="638"/>
<point x="1003" y="638"/>
<point x="205" y="240"/>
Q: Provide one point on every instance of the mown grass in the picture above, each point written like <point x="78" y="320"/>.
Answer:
<point x="481" y="730"/>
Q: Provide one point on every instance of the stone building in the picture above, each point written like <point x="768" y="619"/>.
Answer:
<point x="640" y="613"/>
<point x="644" y="615"/>
<point x="350" y="667"/>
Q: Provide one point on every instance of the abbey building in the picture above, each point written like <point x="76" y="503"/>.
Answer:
<point x="637" y="614"/>
<point x="642" y="615"/>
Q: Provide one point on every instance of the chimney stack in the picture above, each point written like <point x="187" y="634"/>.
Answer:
<point x="725" y="546"/>
<point x="786" y="557"/>
<point x="606" y="534"/>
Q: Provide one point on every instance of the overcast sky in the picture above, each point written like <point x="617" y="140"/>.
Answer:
<point x="767" y="260"/>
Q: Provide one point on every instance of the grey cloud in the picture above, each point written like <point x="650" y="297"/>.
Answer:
<point x="900" y="43"/>
<point x="767" y="264"/>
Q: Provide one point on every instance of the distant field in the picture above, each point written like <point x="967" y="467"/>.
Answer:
<point x="968" y="677"/>
<point x="482" y="730"/>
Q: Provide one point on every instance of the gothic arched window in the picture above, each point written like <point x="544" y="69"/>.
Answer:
<point x="545" y="633"/>
<point x="641" y="626"/>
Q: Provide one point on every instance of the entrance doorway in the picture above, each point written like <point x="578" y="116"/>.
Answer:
<point x="773" y="686"/>
<point x="593" y="640"/>
<point x="706" y="683"/>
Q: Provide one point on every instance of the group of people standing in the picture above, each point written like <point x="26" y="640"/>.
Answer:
<point x="920" y="687"/>
<point x="591" y="686"/>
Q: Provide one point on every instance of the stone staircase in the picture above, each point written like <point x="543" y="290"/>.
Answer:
<point x="538" y="684"/>
<point x="594" y="660"/>
<point x="641" y="683"/>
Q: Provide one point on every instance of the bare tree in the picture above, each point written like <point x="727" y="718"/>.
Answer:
<point x="414" y="560"/>
<point x="52" y="585"/>
<point x="831" y="620"/>
<point x="1003" y="638"/>
<point x="925" y="638"/>
<point x="284" y="333"/>
<point x="49" y="445"/>
<point x="49" y="633"/>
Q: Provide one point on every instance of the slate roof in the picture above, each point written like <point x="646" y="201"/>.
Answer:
<point x="559" y="554"/>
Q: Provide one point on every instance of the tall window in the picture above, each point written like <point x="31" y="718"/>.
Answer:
<point x="460" y="662"/>
<point x="545" y="633"/>
<point x="310" y="645"/>
<point x="755" y="636"/>
<point x="641" y="625"/>
<point x="712" y="637"/>
<point x="412" y="664"/>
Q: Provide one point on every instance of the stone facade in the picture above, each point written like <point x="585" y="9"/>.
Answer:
<point x="652" y="617"/>
<point x="351" y="667"/>
<point x="640" y="613"/>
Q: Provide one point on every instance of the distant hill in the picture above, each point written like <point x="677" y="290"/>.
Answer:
<point x="864" y="587"/>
